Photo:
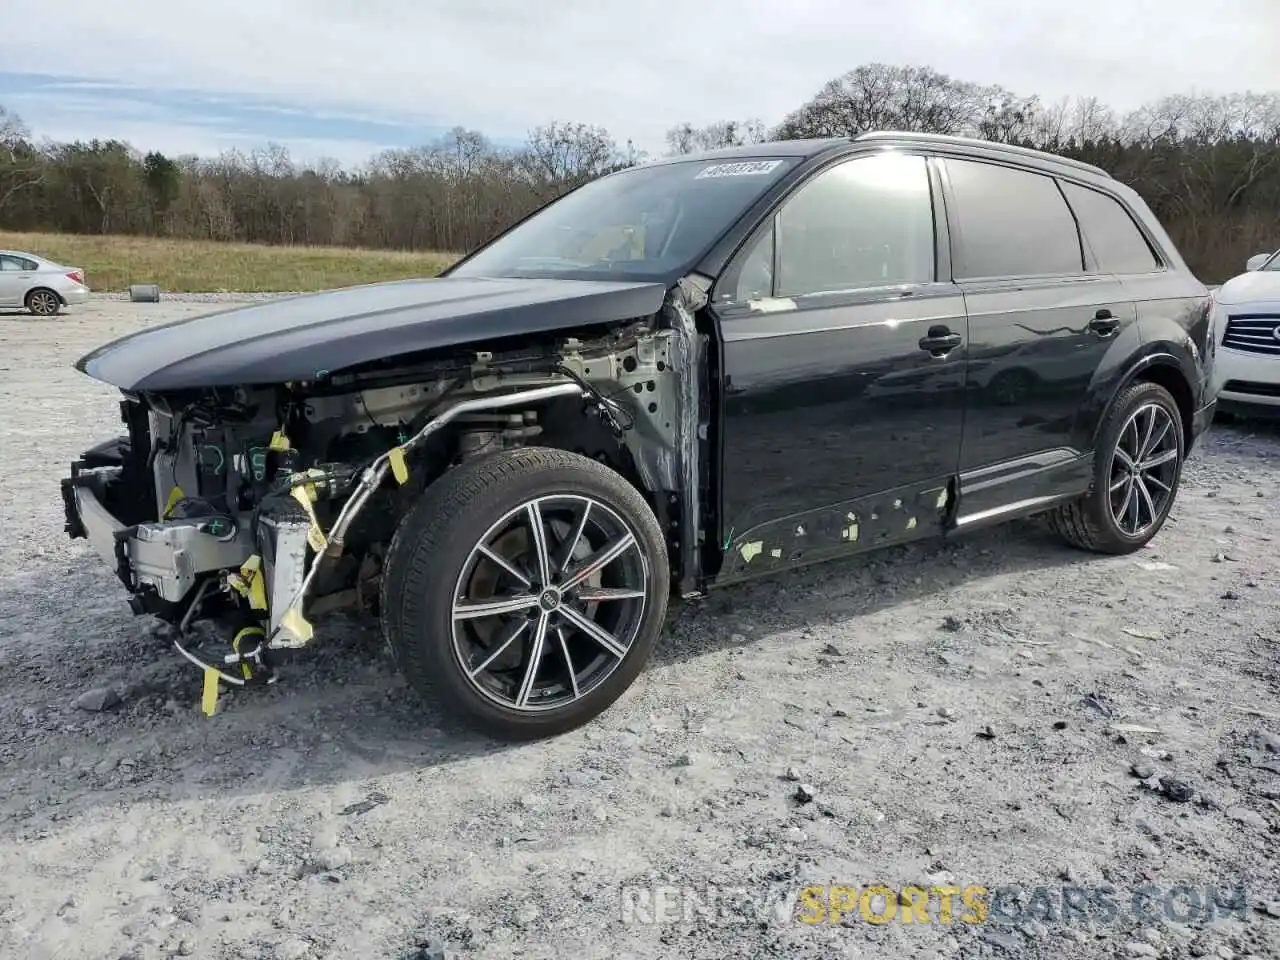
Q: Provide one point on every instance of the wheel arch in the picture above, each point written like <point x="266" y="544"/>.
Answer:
<point x="42" y="288"/>
<point x="1163" y="368"/>
<point x="1168" y="374"/>
<point x="565" y="426"/>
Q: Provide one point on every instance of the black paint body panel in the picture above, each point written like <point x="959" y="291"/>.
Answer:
<point x="836" y="402"/>
<point x="299" y="338"/>
<point x="1003" y="426"/>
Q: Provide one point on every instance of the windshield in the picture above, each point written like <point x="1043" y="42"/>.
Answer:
<point x="641" y="224"/>
<point x="1273" y="264"/>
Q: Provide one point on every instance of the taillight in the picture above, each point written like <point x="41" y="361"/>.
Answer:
<point x="76" y="277"/>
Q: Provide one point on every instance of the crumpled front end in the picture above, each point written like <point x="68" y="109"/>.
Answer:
<point x="261" y="508"/>
<point x="170" y="507"/>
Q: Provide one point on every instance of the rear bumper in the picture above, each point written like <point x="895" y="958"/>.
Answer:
<point x="1201" y="422"/>
<point x="74" y="295"/>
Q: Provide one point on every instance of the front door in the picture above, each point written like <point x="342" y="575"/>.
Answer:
<point x="1041" y="320"/>
<point x="843" y="361"/>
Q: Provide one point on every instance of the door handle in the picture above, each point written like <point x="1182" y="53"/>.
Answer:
<point x="940" y="341"/>
<point x="1104" y="322"/>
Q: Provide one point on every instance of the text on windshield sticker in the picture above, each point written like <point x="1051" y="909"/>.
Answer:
<point x="745" y="168"/>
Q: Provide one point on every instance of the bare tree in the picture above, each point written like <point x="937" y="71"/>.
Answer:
<point x="877" y="96"/>
<point x="686" y="138"/>
<point x="563" y="155"/>
<point x="20" y="166"/>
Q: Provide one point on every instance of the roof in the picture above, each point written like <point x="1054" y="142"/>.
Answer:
<point x="770" y="148"/>
<point x="972" y="144"/>
<point x="804" y="149"/>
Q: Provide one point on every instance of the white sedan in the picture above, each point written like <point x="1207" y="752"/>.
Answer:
<point x="39" y="285"/>
<point x="1247" y="366"/>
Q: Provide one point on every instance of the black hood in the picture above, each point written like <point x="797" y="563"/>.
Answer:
<point x="300" y="338"/>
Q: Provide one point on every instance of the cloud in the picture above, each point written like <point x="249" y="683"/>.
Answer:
<point x="380" y="71"/>
<point x="186" y="121"/>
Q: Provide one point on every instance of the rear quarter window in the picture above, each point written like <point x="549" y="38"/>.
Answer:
<point x="1117" y="244"/>
<point x="1011" y="223"/>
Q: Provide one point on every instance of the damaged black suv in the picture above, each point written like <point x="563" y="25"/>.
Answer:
<point x="678" y="376"/>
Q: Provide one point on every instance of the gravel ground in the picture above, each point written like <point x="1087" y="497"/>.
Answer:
<point x="939" y="715"/>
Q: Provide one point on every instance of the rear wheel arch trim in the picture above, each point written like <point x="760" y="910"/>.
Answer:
<point x="1171" y="370"/>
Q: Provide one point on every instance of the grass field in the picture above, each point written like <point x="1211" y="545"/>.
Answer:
<point x="194" y="266"/>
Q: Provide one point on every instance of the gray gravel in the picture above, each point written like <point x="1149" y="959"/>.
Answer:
<point x="970" y="713"/>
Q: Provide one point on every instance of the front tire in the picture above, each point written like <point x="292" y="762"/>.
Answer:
<point x="1137" y="467"/>
<point x="43" y="303"/>
<point x="525" y="591"/>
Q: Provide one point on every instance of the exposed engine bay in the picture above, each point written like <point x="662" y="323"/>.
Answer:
<point x="261" y="508"/>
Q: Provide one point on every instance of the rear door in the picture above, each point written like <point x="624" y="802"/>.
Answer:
<point x="1115" y="244"/>
<point x="1042" y="317"/>
<point x="843" y="369"/>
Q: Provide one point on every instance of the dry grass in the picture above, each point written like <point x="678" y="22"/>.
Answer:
<point x="195" y="266"/>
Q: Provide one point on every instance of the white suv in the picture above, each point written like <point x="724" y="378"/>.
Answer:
<point x="1247" y="366"/>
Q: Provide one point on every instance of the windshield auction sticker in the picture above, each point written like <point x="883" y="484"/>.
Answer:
<point x="745" y="168"/>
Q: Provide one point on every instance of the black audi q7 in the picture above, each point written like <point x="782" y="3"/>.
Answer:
<point x="675" y="377"/>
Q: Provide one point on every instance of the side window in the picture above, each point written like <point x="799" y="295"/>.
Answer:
<point x="1012" y="223"/>
<point x="865" y="223"/>
<point x="13" y="264"/>
<point x="1116" y="242"/>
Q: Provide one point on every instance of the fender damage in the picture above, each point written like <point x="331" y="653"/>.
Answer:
<point x="261" y="478"/>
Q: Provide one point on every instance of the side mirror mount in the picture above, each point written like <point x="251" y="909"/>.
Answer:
<point x="1256" y="262"/>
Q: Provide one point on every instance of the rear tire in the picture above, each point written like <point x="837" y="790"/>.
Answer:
<point x="43" y="302"/>
<point x="586" y="641"/>
<point x="1137" y="466"/>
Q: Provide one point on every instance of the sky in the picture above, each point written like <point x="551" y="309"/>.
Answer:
<point x="343" y="79"/>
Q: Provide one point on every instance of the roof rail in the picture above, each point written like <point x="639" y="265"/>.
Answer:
<point x="941" y="139"/>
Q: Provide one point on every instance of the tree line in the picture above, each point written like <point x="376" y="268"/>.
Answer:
<point x="1209" y="166"/>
